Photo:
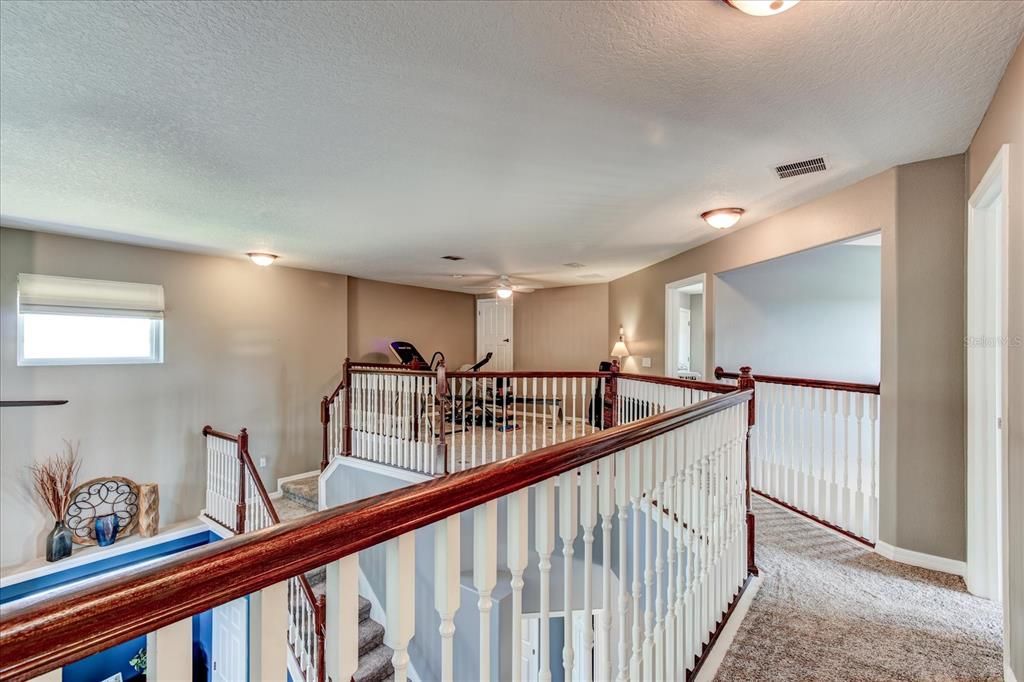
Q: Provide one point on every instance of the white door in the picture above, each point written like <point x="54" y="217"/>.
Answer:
<point x="530" y="653"/>
<point x="986" y="381"/>
<point x="494" y="333"/>
<point x="683" y="332"/>
<point x="230" y="641"/>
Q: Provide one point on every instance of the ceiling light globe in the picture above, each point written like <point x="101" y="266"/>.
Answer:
<point x="762" y="8"/>
<point x="262" y="259"/>
<point x="722" y="218"/>
<point x="504" y="292"/>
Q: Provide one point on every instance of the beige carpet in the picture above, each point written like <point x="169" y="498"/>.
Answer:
<point x="832" y="610"/>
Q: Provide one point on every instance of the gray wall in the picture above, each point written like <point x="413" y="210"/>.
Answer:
<point x="813" y="314"/>
<point x="922" y="480"/>
<point x="244" y="346"/>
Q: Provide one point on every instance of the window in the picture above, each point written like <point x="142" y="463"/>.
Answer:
<point x="71" y="321"/>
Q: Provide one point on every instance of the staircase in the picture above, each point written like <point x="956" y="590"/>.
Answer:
<point x="299" y="498"/>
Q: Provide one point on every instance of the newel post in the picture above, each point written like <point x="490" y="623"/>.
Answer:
<point x="440" y="396"/>
<point x="346" y="387"/>
<point x="610" y="411"/>
<point x="243" y="447"/>
<point x="745" y="381"/>
<point x="325" y="418"/>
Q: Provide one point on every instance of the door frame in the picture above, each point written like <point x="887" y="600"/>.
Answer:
<point x="671" y="361"/>
<point x="994" y="186"/>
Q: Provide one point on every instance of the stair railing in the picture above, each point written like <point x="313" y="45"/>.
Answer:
<point x="815" y="450"/>
<point x="694" y="456"/>
<point x="436" y="422"/>
<point x="254" y="512"/>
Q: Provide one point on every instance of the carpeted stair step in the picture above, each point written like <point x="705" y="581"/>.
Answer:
<point x="375" y="666"/>
<point x="303" y="491"/>
<point x="371" y="635"/>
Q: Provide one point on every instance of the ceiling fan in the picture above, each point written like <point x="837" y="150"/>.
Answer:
<point x="502" y="286"/>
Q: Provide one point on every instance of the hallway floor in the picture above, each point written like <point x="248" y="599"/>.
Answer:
<point x="830" y="609"/>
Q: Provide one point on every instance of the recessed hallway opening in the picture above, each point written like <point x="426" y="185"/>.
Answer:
<point x="830" y="609"/>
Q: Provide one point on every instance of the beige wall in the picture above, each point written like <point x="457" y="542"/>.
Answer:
<point x="562" y="329"/>
<point x="1004" y="124"/>
<point x="638" y="300"/>
<point x="432" y="320"/>
<point x="923" y="466"/>
<point x="244" y="346"/>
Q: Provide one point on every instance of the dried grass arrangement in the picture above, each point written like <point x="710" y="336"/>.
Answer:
<point x="54" y="479"/>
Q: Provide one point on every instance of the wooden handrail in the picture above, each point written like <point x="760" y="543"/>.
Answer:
<point x="210" y="431"/>
<point x="43" y="632"/>
<point x="680" y="383"/>
<point x="848" y="386"/>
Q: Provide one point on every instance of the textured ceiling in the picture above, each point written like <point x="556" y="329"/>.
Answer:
<point x="373" y="138"/>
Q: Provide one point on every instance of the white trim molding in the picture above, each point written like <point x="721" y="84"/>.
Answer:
<point x="714" y="659"/>
<point x="1008" y="675"/>
<point x="921" y="560"/>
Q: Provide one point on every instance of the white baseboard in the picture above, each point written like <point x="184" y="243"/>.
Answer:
<point x="717" y="654"/>
<point x="921" y="560"/>
<point x="1008" y="675"/>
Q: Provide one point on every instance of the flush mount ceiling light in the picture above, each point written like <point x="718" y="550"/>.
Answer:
<point x="722" y="218"/>
<point x="261" y="259"/>
<point x="503" y="292"/>
<point x="761" y="8"/>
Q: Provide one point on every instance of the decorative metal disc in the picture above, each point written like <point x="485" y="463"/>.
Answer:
<point x="100" y="497"/>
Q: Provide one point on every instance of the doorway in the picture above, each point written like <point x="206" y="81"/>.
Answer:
<point x="986" y="348"/>
<point x="684" y="328"/>
<point x="494" y="332"/>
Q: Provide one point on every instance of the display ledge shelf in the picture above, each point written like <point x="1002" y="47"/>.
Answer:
<point x="83" y="556"/>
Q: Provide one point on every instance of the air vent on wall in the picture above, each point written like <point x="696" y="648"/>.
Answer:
<point x="789" y="170"/>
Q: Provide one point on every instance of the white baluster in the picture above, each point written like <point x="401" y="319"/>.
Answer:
<point x="169" y="652"/>
<point x="568" y="521"/>
<point x="544" y="537"/>
<point x="847" y="489"/>
<point x="342" y="618"/>
<point x="649" y="450"/>
<point x="588" y="519"/>
<point x="636" y="481"/>
<point x="446" y="587"/>
<point x="401" y="600"/>
<point x="518" y="547"/>
<point x="606" y="493"/>
<point x="873" y="468"/>
<point x="622" y="501"/>
<point x="858" y="525"/>
<point x="485" y="567"/>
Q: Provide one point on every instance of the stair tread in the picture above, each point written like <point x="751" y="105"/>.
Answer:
<point x="303" y="491"/>
<point x="375" y="665"/>
<point x="371" y="635"/>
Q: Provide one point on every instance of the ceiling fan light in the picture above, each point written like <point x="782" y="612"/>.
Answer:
<point x="261" y="259"/>
<point x="503" y="292"/>
<point x="722" y="218"/>
<point x="762" y="8"/>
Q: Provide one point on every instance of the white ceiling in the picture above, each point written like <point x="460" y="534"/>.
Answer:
<point x="373" y="138"/>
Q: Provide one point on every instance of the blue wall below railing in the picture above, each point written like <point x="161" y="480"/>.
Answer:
<point x="115" y="660"/>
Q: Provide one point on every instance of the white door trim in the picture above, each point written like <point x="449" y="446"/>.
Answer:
<point x="995" y="185"/>
<point x="670" y="322"/>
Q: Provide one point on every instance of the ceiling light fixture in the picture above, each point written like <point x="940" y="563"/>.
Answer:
<point x="261" y="259"/>
<point x="761" y="8"/>
<point x="722" y="218"/>
<point x="503" y="292"/>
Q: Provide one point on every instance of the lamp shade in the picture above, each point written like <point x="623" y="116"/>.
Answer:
<point x="620" y="350"/>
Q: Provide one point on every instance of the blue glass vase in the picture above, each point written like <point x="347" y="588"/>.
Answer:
<point x="106" y="530"/>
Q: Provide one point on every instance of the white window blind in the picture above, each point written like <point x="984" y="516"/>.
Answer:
<point x="51" y="295"/>
<point x="75" y="321"/>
